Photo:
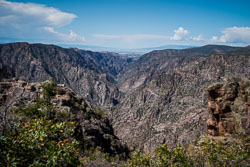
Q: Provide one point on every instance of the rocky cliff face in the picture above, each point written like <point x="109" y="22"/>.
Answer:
<point x="228" y="107"/>
<point x="137" y="72"/>
<point x="90" y="74"/>
<point x="93" y="128"/>
<point x="166" y="98"/>
<point x="160" y="98"/>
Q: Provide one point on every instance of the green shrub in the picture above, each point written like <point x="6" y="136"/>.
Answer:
<point x="40" y="142"/>
<point x="33" y="110"/>
<point x="245" y="97"/>
<point x="101" y="112"/>
<point x="217" y="154"/>
<point x="49" y="90"/>
<point x="42" y="107"/>
<point x="140" y="159"/>
<point x="176" y="157"/>
<point x="203" y="153"/>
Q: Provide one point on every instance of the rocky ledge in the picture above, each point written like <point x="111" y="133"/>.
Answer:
<point x="93" y="129"/>
<point x="228" y="107"/>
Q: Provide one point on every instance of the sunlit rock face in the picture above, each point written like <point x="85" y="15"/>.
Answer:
<point x="229" y="107"/>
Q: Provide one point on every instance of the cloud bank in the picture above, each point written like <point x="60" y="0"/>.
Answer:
<point x="35" y="22"/>
<point x="234" y="35"/>
<point x="198" y="38"/>
<point x="179" y="34"/>
<point x="237" y="35"/>
<point x="36" y="13"/>
<point x="66" y="37"/>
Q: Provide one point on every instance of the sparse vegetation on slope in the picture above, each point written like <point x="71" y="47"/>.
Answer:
<point x="54" y="128"/>
<point x="206" y="153"/>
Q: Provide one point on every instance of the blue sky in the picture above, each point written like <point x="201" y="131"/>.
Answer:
<point x="126" y="23"/>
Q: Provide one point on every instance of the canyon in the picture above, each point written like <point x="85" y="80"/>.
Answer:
<point x="161" y="98"/>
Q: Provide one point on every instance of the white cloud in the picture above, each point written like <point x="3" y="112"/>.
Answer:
<point x="71" y="37"/>
<point x="4" y="19"/>
<point x="35" y="22"/>
<point x="198" y="38"/>
<point x="234" y="35"/>
<point x="180" y="37"/>
<point x="35" y="13"/>
<point x="180" y="33"/>
<point x="214" y="38"/>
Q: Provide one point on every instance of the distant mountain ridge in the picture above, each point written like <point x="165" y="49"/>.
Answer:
<point x="127" y="50"/>
<point x="90" y="74"/>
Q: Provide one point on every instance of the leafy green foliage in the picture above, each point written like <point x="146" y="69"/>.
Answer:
<point x="203" y="153"/>
<point x="102" y="113"/>
<point x="49" y="90"/>
<point x="215" y="153"/>
<point x="94" y="157"/>
<point x="140" y="159"/>
<point x="40" y="142"/>
<point x="176" y="157"/>
<point x="33" y="110"/>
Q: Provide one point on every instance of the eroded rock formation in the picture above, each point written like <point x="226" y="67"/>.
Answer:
<point x="229" y="108"/>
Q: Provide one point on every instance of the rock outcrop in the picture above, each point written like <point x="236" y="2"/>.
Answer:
<point x="93" y="128"/>
<point x="229" y="109"/>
